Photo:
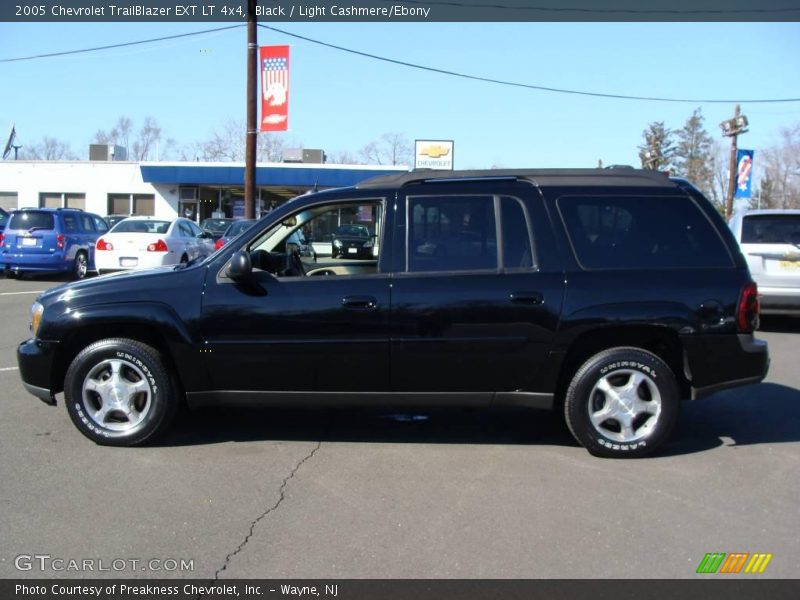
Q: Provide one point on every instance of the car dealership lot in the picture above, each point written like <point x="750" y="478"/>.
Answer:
<point x="374" y="494"/>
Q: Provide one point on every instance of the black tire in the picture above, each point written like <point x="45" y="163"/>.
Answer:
<point x="80" y="266"/>
<point x="622" y="402"/>
<point x="184" y="259"/>
<point x="137" y="404"/>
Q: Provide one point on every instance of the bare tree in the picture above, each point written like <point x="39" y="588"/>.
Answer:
<point x="119" y="134"/>
<point x="782" y="170"/>
<point x="146" y="143"/>
<point x="340" y="157"/>
<point x="390" y="149"/>
<point x="720" y="169"/>
<point x="227" y="143"/>
<point x="49" y="148"/>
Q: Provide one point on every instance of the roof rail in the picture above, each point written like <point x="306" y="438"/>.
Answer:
<point x="621" y="176"/>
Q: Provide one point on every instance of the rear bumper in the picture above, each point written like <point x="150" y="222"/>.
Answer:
<point x="779" y="300"/>
<point x="718" y="362"/>
<point x="49" y="263"/>
<point x="35" y="360"/>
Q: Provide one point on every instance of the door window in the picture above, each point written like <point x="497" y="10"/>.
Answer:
<point x="451" y="233"/>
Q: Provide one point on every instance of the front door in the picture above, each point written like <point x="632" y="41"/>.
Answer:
<point x="322" y="326"/>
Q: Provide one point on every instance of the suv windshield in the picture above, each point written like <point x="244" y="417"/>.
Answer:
<point x="31" y="219"/>
<point x="771" y="229"/>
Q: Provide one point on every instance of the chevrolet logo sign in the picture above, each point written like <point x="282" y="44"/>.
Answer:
<point x="435" y="151"/>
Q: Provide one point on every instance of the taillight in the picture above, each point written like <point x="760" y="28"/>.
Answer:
<point x="2" y="239"/>
<point x="60" y="241"/>
<point x="217" y="245"/>
<point x="104" y="245"/>
<point x="159" y="246"/>
<point x="747" y="315"/>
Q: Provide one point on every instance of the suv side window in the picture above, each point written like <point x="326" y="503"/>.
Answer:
<point x="87" y="223"/>
<point x="517" y="251"/>
<point x="70" y="223"/>
<point x="451" y="233"/>
<point x="641" y="232"/>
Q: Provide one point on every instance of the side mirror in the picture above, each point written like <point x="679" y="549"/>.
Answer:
<point x="240" y="267"/>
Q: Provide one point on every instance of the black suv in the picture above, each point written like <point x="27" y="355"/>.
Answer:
<point x="609" y="294"/>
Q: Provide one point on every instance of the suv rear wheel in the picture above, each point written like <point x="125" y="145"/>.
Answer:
<point x="622" y="402"/>
<point x="118" y="392"/>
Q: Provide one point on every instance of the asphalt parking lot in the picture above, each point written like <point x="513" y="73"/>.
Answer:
<point x="367" y="494"/>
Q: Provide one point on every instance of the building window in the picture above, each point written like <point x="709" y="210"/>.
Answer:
<point x="132" y="204"/>
<point x="119" y="204"/>
<point x="8" y="200"/>
<point x="61" y="200"/>
<point x="144" y="205"/>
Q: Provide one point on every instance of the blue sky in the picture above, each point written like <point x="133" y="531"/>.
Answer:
<point x="340" y="102"/>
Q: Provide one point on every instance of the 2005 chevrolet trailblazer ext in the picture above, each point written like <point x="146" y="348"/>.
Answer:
<point x="609" y="294"/>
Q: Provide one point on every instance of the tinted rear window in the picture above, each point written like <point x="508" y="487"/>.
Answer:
<point x="137" y="226"/>
<point x="641" y="232"/>
<point x="771" y="229"/>
<point x="29" y="219"/>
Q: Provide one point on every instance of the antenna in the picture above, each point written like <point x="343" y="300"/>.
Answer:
<point x="10" y="143"/>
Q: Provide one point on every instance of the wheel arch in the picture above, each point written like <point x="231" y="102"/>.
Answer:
<point x="150" y="323"/>
<point x="660" y="340"/>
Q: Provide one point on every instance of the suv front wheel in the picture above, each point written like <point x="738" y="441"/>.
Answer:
<point x="622" y="402"/>
<point x="118" y="392"/>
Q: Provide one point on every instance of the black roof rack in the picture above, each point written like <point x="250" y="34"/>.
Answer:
<point x="539" y="177"/>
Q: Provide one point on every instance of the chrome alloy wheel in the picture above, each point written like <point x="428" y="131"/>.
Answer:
<point x="624" y="405"/>
<point x="116" y="395"/>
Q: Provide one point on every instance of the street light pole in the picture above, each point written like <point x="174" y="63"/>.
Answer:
<point x="252" y="132"/>
<point x="732" y="128"/>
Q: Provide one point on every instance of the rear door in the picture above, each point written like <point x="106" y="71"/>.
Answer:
<point x="474" y="306"/>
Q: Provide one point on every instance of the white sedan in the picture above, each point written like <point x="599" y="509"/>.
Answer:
<point x="144" y="242"/>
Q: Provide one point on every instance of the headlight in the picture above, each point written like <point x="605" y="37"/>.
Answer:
<point x="337" y="243"/>
<point x="36" y="317"/>
<point x="369" y="244"/>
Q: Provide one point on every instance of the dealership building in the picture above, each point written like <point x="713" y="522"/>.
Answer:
<point x="168" y="189"/>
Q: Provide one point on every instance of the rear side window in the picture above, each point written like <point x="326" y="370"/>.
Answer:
<point x="70" y="223"/>
<point x="451" y="233"/>
<point x="771" y="229"/>
<point x="517" y="253"/>
<point x="31" y="219"/>
<point x="87" y="223"/>
<point x="641" y="232"/>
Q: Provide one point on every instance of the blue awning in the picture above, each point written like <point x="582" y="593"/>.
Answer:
<point x="224" y="175"/>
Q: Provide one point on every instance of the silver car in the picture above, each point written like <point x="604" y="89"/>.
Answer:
<point x="770" y="241"/>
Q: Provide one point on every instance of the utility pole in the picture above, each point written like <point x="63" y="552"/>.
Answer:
<point x="732" y="128"/>
<point x="252" y="132"/>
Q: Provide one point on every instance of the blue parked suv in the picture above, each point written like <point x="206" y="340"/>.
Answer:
<point x="50" y="240"/>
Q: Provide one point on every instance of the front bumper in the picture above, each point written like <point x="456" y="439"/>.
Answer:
<point x="718" y="362"/>
<point x="35" y="359"/>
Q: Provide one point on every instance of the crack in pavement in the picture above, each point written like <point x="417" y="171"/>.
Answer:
<point x="265" y="513"/>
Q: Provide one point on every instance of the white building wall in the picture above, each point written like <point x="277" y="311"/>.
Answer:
<point x="94" y="179"/>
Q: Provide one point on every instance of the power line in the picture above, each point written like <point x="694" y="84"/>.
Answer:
<point x="122" y="45"/>
<point x="631" y="11"/>
<point x="525" y="85"/>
